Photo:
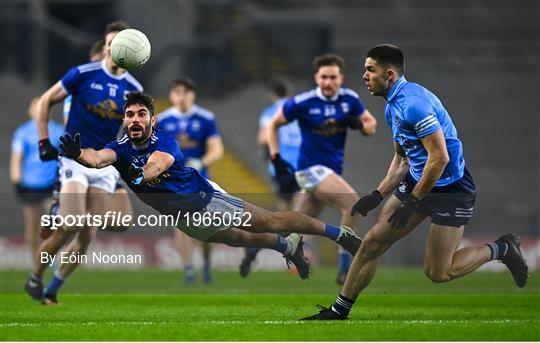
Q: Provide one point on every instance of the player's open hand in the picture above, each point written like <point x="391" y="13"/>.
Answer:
<point x="71" y="147"/>
<point x="282" y="167"/>
<point x="398" y="220"/>
<point x="136" y="174"/>
<point x="367" y="203"/>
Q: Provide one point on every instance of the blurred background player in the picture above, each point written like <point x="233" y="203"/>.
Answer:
<point x="96" y="54"/>
<point x="323" y="114"/>
<point x="32" y="178"/>
<point x="289" y="147"/>
<point x="97" y="91"/>
<point x="196" y="131"/>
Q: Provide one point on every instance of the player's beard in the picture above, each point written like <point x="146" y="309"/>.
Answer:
<point x="141" y="136"/>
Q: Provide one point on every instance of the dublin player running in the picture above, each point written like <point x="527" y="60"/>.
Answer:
<point x="196" y="131"/>
<point x="152" y="165"/>
<point x="429" y="173"/>
<point x="97" y="91"/>
<point x="324" y="114"/>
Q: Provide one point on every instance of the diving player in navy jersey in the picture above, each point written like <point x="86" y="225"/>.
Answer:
<point x="427" y="178"/>
<point x="153" y="166"/>
<point x="196" y="131"/>
<point x="97" y="91"/>
<point x="324" y="114"/>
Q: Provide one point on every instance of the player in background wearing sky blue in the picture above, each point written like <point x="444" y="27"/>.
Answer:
<point x="32" y="179"/>
<point x="427" y="178"/>
<point x="324" y="114"/>
<point x="195" y="129"/>
<point x="98" y="91"/>
<point x="153" y="166"/>
<point x="289" y="148"/>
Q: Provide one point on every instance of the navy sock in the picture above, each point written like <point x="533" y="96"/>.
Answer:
<point x="189" y="270"/>
<point x="342" y="305"/>
<point x="344" y="261"/>
<point x="498" y="249"/>
<point x="282" y="245"/>
<point x="332" y="232"/>
<point x="54" y="285"/>
<point x="253" y="251"/>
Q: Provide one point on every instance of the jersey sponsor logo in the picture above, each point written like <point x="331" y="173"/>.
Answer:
<point x="315" y="111"/>
<point x="186" y="142"/>
<point x="107" y="109"/>
<point x="69" y="173"/>
<point x="345" y="107"/>
<point x="96" y="86"/>
<point x="169" y="127"/>
<point x="330" y="127"/>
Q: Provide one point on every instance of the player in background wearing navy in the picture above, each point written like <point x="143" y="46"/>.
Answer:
<point x="196" y="131"/>
<point x="324" y="114"/>
<point x="32" y="179"/>
<point x="153" y="166"/>
<point x="289" y="147"/>
<point x="98" y="91"/>
<point x="428" y="170"/>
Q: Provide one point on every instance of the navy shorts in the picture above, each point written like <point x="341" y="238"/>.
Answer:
<point x="286" y="186"/>
<point x="32" y="196"/>
<point x="450" y="205"/>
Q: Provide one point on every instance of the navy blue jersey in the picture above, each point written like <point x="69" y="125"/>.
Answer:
<point x="96" y="104"/>
<point x="413" y="112"/>
<point x="192" y="129"/>
<point x="179" y="188"/>
<point x="323" y="124"/>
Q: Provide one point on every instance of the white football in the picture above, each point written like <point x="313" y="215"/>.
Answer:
<point x="130" y="49"/>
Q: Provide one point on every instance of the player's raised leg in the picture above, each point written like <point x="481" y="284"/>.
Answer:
<point x="443" y="261"/>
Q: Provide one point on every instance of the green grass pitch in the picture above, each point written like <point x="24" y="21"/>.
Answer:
<point x="400" y="304"/>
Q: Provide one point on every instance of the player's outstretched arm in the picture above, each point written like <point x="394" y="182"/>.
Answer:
<point x="71" y="148"/>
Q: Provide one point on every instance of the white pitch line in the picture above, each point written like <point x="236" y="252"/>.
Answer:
<point x="281" y="322"/>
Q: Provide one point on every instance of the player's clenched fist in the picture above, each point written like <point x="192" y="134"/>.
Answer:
<point x="47" y="151"/>
<point x="367" y="203"/>
<point x="282" y="167"/>
<point x="136" y="174"/>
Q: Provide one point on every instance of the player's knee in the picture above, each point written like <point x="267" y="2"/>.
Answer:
<point x="437" y="276"/>
<point x="372" y="247"/>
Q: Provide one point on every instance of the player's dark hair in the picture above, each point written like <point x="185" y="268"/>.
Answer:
<point x="97" y="47"/>
<point x="329" y="60"/>
<point x="184" y="81"/>
<point x="280" y="87"/>
<point x="116" y="26"/>
<point x="140" y="98"/>
<point x="388" y="55"/>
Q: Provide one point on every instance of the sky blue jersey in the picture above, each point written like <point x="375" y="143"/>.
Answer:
<point x="289" y="136"/>
<point x="34" y="172"/>
<point x="179" y="188"/>
<point x="96" y="104"/>
<point x="413" y="112"/>
<point x="323" y="124"/>
<point x="191" y="129"/>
